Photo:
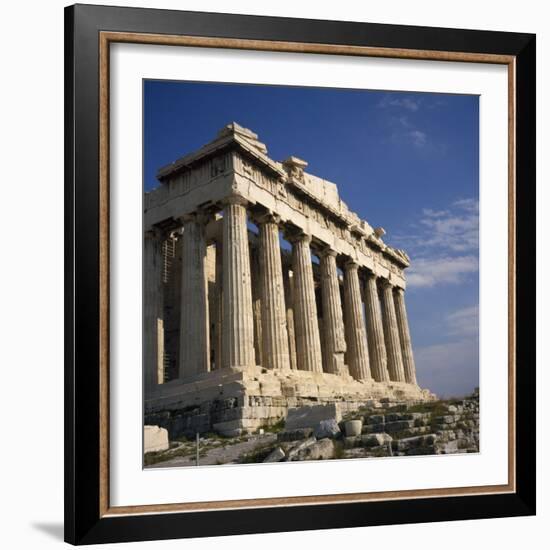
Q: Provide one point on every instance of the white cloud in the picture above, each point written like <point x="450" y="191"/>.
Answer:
<point x="399" y="102"/>
<point x="418" y="138"/>
<point x="455" y="229"/>
<point x="434" y="213"/>
<point x="429" y="272"/>
<point x="463" y="322"/>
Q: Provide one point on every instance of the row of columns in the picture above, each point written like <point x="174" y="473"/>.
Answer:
<point x="378" y="347"/>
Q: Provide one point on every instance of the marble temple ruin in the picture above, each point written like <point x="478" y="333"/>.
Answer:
<point x="263" y="292"/>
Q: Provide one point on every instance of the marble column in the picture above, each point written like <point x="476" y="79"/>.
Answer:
<point x="308" y="343"/>
<point x="256" y="303"/>
<point x="404" y="336"/>
<point x="194" y="344"/>
<point x="333" y="322"/>
<point x="358" y="354"/>
<point x="275" y="351"/>
<point x="238" y="329"/>
<point x="218" y="305"/>
<point x="391" y="334"/>
<point x="375" y="331"/>
<point x="289" y="301"/>
<point x="153" y="334"/>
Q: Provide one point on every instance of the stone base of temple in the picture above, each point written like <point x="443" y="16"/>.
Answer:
<point x="234" y="401"/>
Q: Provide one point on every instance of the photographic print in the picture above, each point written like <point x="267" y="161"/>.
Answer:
<point x="310" y="274"/>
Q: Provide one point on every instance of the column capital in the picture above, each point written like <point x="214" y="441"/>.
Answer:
<point x="351" y="265"/>
<point x="399" y="290"/>
<point x="327" y="251"/>
<point x="235" y="199"/>
<point x="200" y="217"/>
<point x="267" y="217"/>
<point x="385" y="283"/>
<point x="298" y="237"/>
<point x="370" y="274"/>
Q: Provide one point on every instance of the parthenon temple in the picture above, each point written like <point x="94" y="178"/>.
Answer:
<point x="263" y="291"/>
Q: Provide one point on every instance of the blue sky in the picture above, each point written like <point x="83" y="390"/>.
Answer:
<point x="402" y="160"/>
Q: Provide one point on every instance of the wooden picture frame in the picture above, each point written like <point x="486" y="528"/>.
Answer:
<point x="89" y="32"/>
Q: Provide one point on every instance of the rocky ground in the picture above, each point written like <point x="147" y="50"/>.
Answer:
<point x="383" y="428"/>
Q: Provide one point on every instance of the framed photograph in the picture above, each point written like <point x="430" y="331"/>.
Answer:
<point x="300" y="274"/>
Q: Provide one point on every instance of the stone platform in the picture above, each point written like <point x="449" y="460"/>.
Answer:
<point x="233" y="401"/>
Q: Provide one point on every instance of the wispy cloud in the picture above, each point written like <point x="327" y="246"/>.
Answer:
<point x="401" y="102"/>
<point x="463" y="322"/>
<point x="443" y="245"/>
<point x="403" y="129"/>
<point x="429" y="272"/>
<point x="454" y="229"/>
<point x="418" y="138"/>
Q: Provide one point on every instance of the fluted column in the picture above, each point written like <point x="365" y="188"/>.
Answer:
<point x="358" y="354"/>
<point x="404" y="336"/>
<point x="153" y="334"/>
<point x="375" y="331"/>
<point x="238" y="330"/>
<point x="256" y="303"/>
<point x="194" y="328"/>
<point x="308" y="344"/>
<point x="218" y="305"/>
<point x="391" y="334"/>
<point x="275" y="352"/>
<point x="289" y="302"/>
<point x="333" y="322"/>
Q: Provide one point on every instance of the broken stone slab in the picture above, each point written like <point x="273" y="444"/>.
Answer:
<point x="376" y="440"/>
<point x="353" y="427"/>
<point x="447" y="419"/>
<point x="295" y="435"/>
<point x="375" y="419"/>
<point x="413" y="442"/>
<point x="327" y="428"/>
<point x="296" y="449"/>
<point x="155" y="439"/>
<point x="446" y="448"/>
<point x="351" y="442"/>
<point x="309" y="417"/>
<point x="276" y="455"/>
<point x="319" y="450"/>
<point x="398" y="426"/>
<point x="357" y="452"/>
<point x="374" y="428"/>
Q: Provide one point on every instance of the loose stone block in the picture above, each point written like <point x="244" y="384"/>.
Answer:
<point x="318" y="450"/>
<point x="327" y="428"/>
<point x="309" y="417"/>
<point x="412" y="442"/>
<point x="353" y="427"/>
<point x="398" y="426"/>
<point x="155" y="439"/>
<point x="375" y="419"/>
<point x="275" y="456"/>
<point x="375" y="440"/>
